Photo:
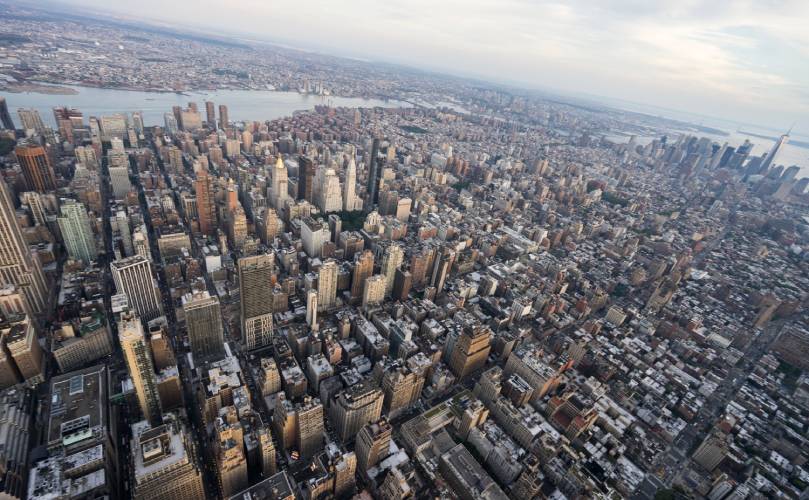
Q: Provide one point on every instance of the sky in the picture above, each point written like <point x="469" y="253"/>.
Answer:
<point x="742" y="60"/>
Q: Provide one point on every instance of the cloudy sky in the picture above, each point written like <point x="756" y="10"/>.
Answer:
<point x="744" y="60"/>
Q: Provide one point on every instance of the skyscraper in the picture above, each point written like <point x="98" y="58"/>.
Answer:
<point x="203" y="319"/>
<point x="133" y="277"/>
<point x="306" y="178"/>
<point x="373" y="444"/>
<point x="327" y="285"/>
<point x="363" y="268"/>
<point x="392" y="258"/>
<point x="17" y="265"/>
<point x="224" y="121"/>
<point x="374" y="174"/>
<point x="76" y="231"/>
<point x="279" y="187"/>
<point x="210" y="114"/>
<point x="36" y="168"/>
<point x="328" y="193"/>
<point x="350" y="188"/>
<point x="138" y="359"/>
<point x="5" y="116"/>
<point x="255" y="290"/>
<point x="164" y="463"/>
<point x="206" y="208"/>
<point x="781" y="142"/>
<point x="30" y="120"/>
<point x="470" y="351"/>
<point x="373" y="293"/>
<point x="354" y="407"/>
<point x="311" y="309"/>
<point x="21" y="340"/>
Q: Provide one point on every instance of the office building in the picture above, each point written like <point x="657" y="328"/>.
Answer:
<point x="402" y="281"/>
<point x="279" y="187"/>
<point x="21" y="341"/>
<point x="133" y="277"/>
<point x="276" y="487"/>
<point x="373" y="444"/>
<point x="210" y="114"/>
<point x="306" y="178"/>
<point x="206" y="206"/>
<point x="363" y="269"/>
<point x="18" y="266"/>
<point x="113" y="126"/>
<point x="16" y="417"/>
<point x="32" y="123"/>
<point x="327" y="285"/>
<point x="164" y="462"/>
<point x="224" y="121"/>
<point x="5" y="116"/>
<point x="470" y="351"/>
<point x="354" y="407"/>
<point x="256" y="305"/>
<point x="466" y="477"/>
<point x="311" y="309"/>
<point x="373" y="292"/>
<point x="138" y="359"/>
<point x="374" y="166"/>
<point x="77" y="233"/>
<point x="329" y="198"/>
<point x="36" y="168"/>
<point x="314" y="234"/>
<point x="203" y="319"/>
<point x="74" y="346"/>
<point x="350" y="200"/>
<point x="392" y="258"/>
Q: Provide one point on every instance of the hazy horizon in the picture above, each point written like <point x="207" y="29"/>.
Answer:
<point x="742" y="62"/>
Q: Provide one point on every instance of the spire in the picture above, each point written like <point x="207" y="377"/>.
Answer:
<point x="279" y="163"/>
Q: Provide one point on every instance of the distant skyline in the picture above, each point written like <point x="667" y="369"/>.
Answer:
<point x="742" y="61"/>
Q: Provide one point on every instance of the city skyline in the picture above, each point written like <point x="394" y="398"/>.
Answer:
<point x="739" y="62"/>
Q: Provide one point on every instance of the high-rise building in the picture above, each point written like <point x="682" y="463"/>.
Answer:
<point x="329" y="197"/>
<point x="374" y="165"/>
<point x="138" y="359"/>
<point x="210" y="114"/>
<point x="314" y="234"/>
<point x="164" y="462"/>
<point x="16" y="418"/>
<point x="470" y="351"/>
<point x="373" y="293"/>
<point x="113" y="126"/>
<point x="30" y="120"/>
<point x="780" y="143"/>
<point x="206" y="207"/>
<point x="354" y="407"/>
<point x="306" y="178"/>
<point x="18" y="266"/>
<point x="363" y="269"/>
<point x="350" y="187"/>
<point x="36" y="168"/>
<point x="279" y="187"/>
<point x="20" y="337"/>
<point x="203" y="319"/>
<point x="392" y="258"/>
<point x="224" y="121"/>
<point x="311" y="309"/>
<point x="255" y="291"/>
<point x="373" y="444"/>
<point x="402" y="281"/>
<point x="190" y="120"/>
<point x="309" y="427"/>
<point x="133" y="277"/>
<point x="5" y="116"/>
<point x="231" y="462"/>
<point x="327" y="285"/>
<point x="77" y="233"/>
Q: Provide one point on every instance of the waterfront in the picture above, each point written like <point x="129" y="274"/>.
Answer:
<point x="242" y="104"/>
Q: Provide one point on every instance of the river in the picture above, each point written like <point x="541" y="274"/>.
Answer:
<point x="243" y="105"/>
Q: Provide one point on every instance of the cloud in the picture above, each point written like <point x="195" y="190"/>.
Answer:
<point x="741" y="59"/>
